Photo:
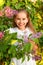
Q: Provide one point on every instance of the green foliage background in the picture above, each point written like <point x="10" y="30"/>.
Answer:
<point x="34" y="8"/>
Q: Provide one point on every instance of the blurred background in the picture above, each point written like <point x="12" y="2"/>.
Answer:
<point x="35" y="8"/>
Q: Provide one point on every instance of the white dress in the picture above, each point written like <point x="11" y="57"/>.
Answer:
<point x="21" y="33"/>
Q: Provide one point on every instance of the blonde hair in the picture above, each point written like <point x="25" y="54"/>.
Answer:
<point x="29" y="24"/>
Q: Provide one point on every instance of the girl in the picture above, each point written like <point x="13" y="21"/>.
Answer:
<point x="23" y="26"/>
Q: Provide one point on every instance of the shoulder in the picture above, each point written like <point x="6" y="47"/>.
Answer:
<point x="12" y="30"/>
<point x="29" y="31"/>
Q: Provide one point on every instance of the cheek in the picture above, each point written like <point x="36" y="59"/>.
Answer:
<point x="16" y="21"/>
<point x="26" y="21"/>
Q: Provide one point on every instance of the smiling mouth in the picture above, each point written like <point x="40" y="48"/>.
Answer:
<point x="21" y="24"/>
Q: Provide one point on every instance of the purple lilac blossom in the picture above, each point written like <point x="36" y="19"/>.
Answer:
<point x="37" y="35"/>
<point x="36" y="57"/>
<point x="25" y="38"/>
<point x="15" y="12"/>
<point x="10" y="12"/>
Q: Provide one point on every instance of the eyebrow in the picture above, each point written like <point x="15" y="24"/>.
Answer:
<point x="22" y="18"/>
<point x="19" y="18"/>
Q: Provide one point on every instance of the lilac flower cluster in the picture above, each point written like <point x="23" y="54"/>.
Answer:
<point x="25" y="38"/>
<point x="37" y="57"/>
<point x="1" y="35"/>
<point x="37" y="35"/>
<point x="8" y="12"/>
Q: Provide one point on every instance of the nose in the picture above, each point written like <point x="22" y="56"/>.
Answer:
<point x="21" y="20"/>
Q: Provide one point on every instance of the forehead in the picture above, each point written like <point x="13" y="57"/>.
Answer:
<point x="21" y="14"/>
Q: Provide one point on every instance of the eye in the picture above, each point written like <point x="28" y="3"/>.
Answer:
<point x="23" y="18"/>
<point x="18" y="18"/>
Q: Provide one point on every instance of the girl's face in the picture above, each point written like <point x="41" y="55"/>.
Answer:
<point x="21" y="20"/>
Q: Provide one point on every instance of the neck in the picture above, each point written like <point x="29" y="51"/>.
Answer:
<point x="22" y="28"/>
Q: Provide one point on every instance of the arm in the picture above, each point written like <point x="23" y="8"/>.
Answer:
<point x="35" y="46"/>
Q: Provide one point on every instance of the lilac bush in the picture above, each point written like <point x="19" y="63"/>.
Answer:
<point x="9" y="12"/>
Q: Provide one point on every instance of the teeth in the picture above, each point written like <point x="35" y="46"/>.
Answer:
<point x="21" y="24"/>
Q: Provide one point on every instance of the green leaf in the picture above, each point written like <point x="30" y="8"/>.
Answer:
<point x="26" y="1"/>
<point x="41" y="41"/>
<point x="8" y="3"/>
<point x="12" y="51"/>
<point x="14" y="1"/>
<point x="19" y="5"/>
<point x="23" y="58"/>
<point x="27" y="47"/>
<point x="36" y="40"/>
